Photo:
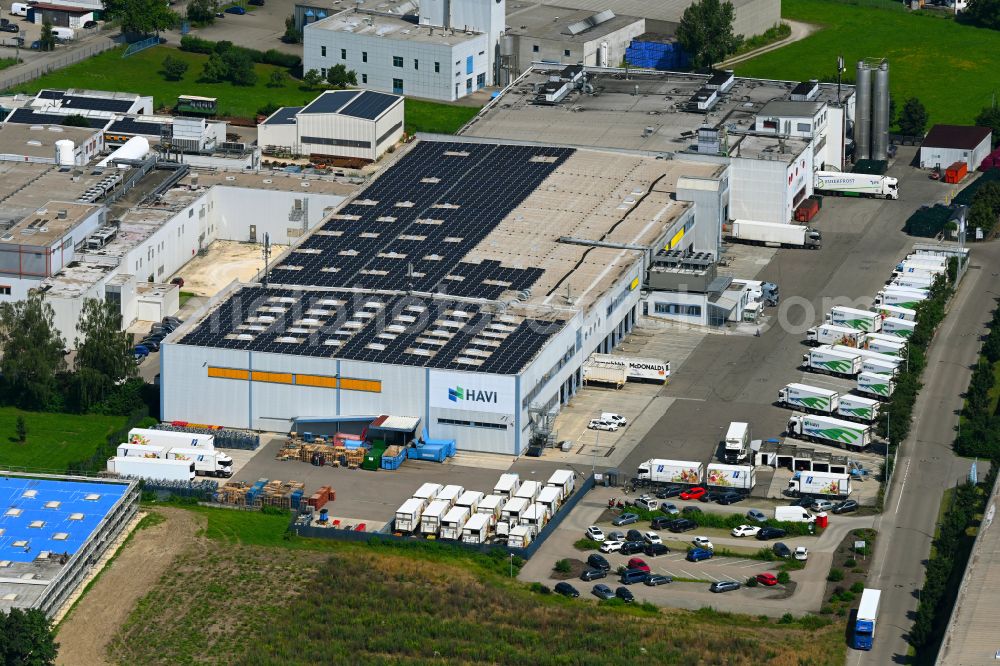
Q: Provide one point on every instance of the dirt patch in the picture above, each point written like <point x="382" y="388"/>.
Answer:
<point x="223" y="262"/>
<point x="84" y="634"/>
<point x="576" y="567"/>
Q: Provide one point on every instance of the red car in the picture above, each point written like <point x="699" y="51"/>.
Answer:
<point x="638" y="563"/>
<point x="767" y="579"/>
<point x="693" y="493"/>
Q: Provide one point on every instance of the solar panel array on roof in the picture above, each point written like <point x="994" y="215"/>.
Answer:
<point x="29" y="117"/>
<point x="51" y="94"/>
<point x="331" y="102"/>
<point x="369" y="105"/>
<point x="97" y="103"/>
<point x="283" y="116"/>
<point x="133" y="126"/>
<point x="408" y="230"/>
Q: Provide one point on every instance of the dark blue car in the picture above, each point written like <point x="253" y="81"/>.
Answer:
<point x="236" y="10"/>
<point x="699" y="554"/>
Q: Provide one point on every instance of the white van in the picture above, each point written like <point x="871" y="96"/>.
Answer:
<point x="793" y="514"/>
<point x="19" y="9"/>
<point x="63" y="34"/>
<point x="616" y="418"/>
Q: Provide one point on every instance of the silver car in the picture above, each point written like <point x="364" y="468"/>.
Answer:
<point x="756" y="515"/>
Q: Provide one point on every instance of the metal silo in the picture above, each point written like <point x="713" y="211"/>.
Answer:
<point x="880" y="113"/>
<point x="863" y="113"/>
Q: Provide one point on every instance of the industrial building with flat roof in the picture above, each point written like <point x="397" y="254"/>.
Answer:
<point x="464" y="286"/>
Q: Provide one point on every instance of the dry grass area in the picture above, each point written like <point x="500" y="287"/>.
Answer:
<point x="261" y="600"/>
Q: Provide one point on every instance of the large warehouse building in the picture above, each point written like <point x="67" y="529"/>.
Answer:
<point x="465" y="286"/>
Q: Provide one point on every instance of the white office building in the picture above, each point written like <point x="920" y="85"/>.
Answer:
<point x="446" y="52"/>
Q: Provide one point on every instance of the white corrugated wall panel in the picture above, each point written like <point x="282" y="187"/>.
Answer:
<point x="189" y="394"/>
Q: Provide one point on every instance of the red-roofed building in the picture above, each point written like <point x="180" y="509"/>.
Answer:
<point x="946" y="144"/>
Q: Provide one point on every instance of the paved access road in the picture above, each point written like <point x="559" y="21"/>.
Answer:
<point x="926" y="464"/>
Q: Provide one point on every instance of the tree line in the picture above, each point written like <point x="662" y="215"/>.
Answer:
<point x="35" y="374"/>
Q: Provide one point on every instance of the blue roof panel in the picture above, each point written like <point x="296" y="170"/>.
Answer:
<point x="283" y="116"/>
<point x="331" y="102"/>
<point x="369" y="105"/>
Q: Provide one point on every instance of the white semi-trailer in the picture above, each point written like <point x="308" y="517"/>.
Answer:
<point x="918" y="259"/>
<point x="671" y="471"/>
<point x="912" y="282"/>
<point x="834" y="334"/>
<point x="869" y="354"/>
<point x="833" y="362"/>
<point x="453" y="522"/>
<point x="476" y="529"/>
<point x="822" y="484"/>
<point x="207" y="462"/>
<point x="855" y="184"/>
<point x="879" y="367"/>
<point x="876" y="384"/>
<point x="899" y="313"/>
<point x="730" y="477"/>
<point x="430" y="520"/>
<point x="774" y="234"/>
<point x="507" y="485"/>
<point x="636" y="369"/>
<point x="919" y="269"/>
<point x="901" y="297"/>
<point x="828" y="430"/>
<point x="141" y="451"/>
<point x="857" y="408"/>
<point x="891" y="346"/>
<point x="565" y="480"/>
<point x="809" y="398"/>
<point x="863" y="320"/>
<point x="158" y="469"/>
<point x="901" y="328"/>
<point x="408" y="515"/>
<point x="170" y="438"/>
<point x="737" y="444"/>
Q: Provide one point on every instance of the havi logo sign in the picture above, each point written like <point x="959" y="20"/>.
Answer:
<point x="458" y="393"/>
<point x="472" y="392"/>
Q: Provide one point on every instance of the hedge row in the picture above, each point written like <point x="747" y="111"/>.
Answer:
<point x="980" y="431"/>
<point x="270" y="57"/>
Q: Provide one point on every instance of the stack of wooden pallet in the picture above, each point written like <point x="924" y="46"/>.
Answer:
<point x="233" y="492"/>
<point x="279" y="494"/>
<point x="354" y="457"/>
<point x="290" y="451"/>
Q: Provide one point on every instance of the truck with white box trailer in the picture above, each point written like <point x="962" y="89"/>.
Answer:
<point x="901" y="328"/>
<point x="511" y="513"/>
<point x="827" y="430"/>
<point x="660" y="470"/>
<point x="862" y="320"/>
<point x="611" y="374"/>
<point x="832" y="362"/>
<point x="845" y="183"/>
<point x="879" y="367"/>
<point x="865" y="410"/>
<point x="551" y="498"/>
<point x="535" y="517"/>
<point x="430" y="520"/>
<point x="737" y="444"/>
<point x="453" y="522"/>
<point x="834" y="334"/>
<point x="450" y="494"/>
<point x="507" y="485"/>
<point x="870" y="354"/>
<point x="141" y="451"/>
<point x="565" y="480"/>
<point x="876" y="384"/>
<point x="477" y="529"/>
<point x="891" y="347"/>
<point x="520" y="536"/>
<point x="897" y="312"/>
<point x="152" y="469"/>
<point x="820" y="484"/>
<point x="917" y="259"/>
<point x="170" y="438"/>
<point x="918" y="269"/>
<point x="912" y="282"/>
<point x="471" y="499"/>
<point x="772" y="234"/>
<point x="491" y="505"/>
<point x="809" y="398"/>
<point x="636" y="369"/>
<point x="207" y="462"/>
<point x="901" y="297"/>
<point x="730" y="477"/>
<point x="408" y="515"/>
<point x="529" y="490"/>
<point x="863" y="635"/>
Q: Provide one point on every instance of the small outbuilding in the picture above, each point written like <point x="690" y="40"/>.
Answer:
<point x="946" y="144"/>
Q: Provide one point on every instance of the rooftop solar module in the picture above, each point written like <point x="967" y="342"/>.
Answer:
<point x="97" y="103"/>
<point x="29" y="117"/>
<point x="133" y="126"/>
<point x="283" y="116"/>
<point x="331" y="102"/>
<point x="51" y="94"/>
<point x="369" y="105"/>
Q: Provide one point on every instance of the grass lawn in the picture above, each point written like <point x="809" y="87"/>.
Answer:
<point x="141" y="74"/>
<point x="54" y="440"/>
<point x="951" y="68"/>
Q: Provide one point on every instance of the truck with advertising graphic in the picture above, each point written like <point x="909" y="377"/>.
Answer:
<point x="636" y="369"/>
<point x="897" y="312"/>
<point x="809" y="398"/>
<point x="170" y="438"/>
<point x="919" y="269"/>
<point x="834" y="334"/>
<point x="921" y="259"/>
<point x="730" y="477"/>
<point x="158" y="469"/>
<point x="901" y="328"/>
<point x="820" y="484"/>
<point x="889" y="345"/>
<point x="207" y="462"/>
<point x="876" y="384"/>
<point x="832" y="362"/>
<point x="863" y="320"/>
<point x="870" y="354"/>
<point x="855" y="184"/>
<point x="912" y="282"/>
<point x="671" y="471"/>
<point x="857" y="408"/>
<point x="879" y="367"/>
<point x="901" y="297"/>
<point x="826" y="430"/>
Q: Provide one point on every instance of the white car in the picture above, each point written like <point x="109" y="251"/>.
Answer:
<point x="652" y="538"/>
<point x="600" y="424"/>
<point x="595" y="533"/>
<point x="703" y="542"/>
<point x="611" y="546"/>
<point x="614" y="418"/>
<point x="745" y="530"/>
<point x="801" y="553"/>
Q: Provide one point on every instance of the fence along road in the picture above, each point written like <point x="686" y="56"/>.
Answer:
<point x="44" y="63"/>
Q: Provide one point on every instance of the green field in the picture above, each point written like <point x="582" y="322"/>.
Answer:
<point x="304" y="601"/>
<point x="952" y="68"/>
<point x="141" y="74"/>
<point x="54" y="440"/>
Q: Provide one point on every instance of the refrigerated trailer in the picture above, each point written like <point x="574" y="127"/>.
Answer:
<point x="430" y="520"/>
<point x="879" y="367"/>
<point x="822" y="484"/>
<point x="809" y="398"/>
<point x="901" y="328"/>
<point x="565" y="480"/>
<point x="863" y="320"/>
<point x="428" y="492"/>
<point x="470" y="499"/>
<point x="730" y="477"/>
<point x="207" y="462"/>
<point x="899" y="313"/>
<point x="511" y="514"/>
<point x="141" y="451"/>
<point x="737" y="444"/>
<point x="834" y="334"/>
<point x="491" y="506"/>
<point x="477" y="529"/>
<point x="828" y="430"/>
<point x="408" y="515"/>
<point x="855" y="407"/>
<point x="154" y="469"/>
<point x="831" y="361"/>
<point x="507" y="485"/>
<point x="901" y="297"/>
<point x="774" y="234"/>
<point x="671" y="471"/>
<point x="864" y="625"/>
<point x="889" y="345"/>
<point x="876" y="384"/>
<point x="911" y="282"/>
<point x="848" y="184"/>
<point x="453" y="522"/>
<point x="636" y="369"/>
<point x="170" y="438"/>
<point x="931" y="260"/>
<point x="870" y="354"/>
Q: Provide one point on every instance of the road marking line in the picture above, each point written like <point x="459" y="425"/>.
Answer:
<point x="906" y="475"/>
<point x="712" y="577"/>
<point x="687" y="574"/>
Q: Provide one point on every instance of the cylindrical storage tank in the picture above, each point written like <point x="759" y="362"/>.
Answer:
<point x="507" y="45"/>
<point x="863" y="113"/>
<point x="880" y="113"/>
<point x="64" y="152"/>
<point x="135" y="148"/>
<point x="603" y="59"/>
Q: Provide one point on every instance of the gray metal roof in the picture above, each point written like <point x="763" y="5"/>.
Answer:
<point x="783" y="108"/>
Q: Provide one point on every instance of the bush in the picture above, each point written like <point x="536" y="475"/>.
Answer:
<point x="751" y="582"/>
<point x="858" y="587"/>
<point x="826" y="609"/>
<point x="194" y="44"/>
<point x="539" y="588"/>
<point x="174" y="68"/>
<point x="585" y="544"/>
<point x="850" y="562"/>
<point x="269" y="57"/>
<point x="784" y="578"/>
<point x="563" y="566"/>
<point x="649" y="607"/>
<point x="787" y="618"/>
<point x="835" y="575"/>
